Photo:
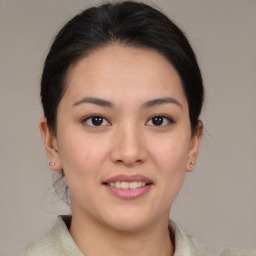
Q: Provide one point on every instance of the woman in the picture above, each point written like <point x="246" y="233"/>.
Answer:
<point x="122" y="93"/>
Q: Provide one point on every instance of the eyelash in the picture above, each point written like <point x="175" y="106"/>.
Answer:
<point x="166" y="120"/>
<point x="89" y="118"/>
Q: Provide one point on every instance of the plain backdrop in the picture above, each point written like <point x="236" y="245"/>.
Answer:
<point x="217" y="203"/>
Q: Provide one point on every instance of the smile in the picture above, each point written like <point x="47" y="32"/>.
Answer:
<point x="127" y="185"/>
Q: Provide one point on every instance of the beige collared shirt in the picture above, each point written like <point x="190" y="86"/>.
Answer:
<point x="59" y="242"/>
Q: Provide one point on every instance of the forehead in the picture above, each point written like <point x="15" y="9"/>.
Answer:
<point x="123" y="71"/>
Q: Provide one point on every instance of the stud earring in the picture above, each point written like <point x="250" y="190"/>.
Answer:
<point x="51" y="164"/>
<point x="191" y="164"/>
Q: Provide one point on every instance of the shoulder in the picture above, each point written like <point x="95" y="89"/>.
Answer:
<point x="190" y="246"/>
<point x="237" y="252"/>
<point x="56" y="242"/>
<point x="186" y="244"/>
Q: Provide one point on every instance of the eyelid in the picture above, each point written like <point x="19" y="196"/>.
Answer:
<point x="88" y="117"/>
<point x="169" y="119"/>
<point x="164" y="116"/>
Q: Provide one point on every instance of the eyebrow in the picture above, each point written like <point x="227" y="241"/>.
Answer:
<point x="96" y="101"/>
<point x="160" y="101"/>
<point x="105" y="103"/>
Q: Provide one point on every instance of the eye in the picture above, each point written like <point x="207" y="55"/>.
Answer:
<point x="96" y="120"/>
<point x="159" y="120"/>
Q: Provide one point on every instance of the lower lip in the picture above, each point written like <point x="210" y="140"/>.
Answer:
<point x="129" y="194"/>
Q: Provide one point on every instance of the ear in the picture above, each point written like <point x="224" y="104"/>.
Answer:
<point x="50" y="145"/>
<point x="194" y="147"/>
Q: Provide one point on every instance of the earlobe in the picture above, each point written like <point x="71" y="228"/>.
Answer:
<point x="194" y="147"/>
<point x="50" y="145"/>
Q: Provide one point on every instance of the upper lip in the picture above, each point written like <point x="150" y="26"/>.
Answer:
<point x="128" y="178"/>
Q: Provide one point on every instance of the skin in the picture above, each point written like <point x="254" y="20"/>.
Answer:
<point x="127" y="143"/>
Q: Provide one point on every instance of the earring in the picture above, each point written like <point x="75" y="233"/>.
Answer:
<point x="51" y="164"/>
<point x="191" y="164"/>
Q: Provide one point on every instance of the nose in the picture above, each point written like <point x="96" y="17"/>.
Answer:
<point x="128" y="146"/>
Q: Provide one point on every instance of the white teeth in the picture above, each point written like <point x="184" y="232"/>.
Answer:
<point x="118" y="184"/>
<point x="124" y="185"/>
<point x="127" y="185"/>
<point x="133" y="185"/>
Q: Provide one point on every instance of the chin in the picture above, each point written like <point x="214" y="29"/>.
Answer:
<point x="127" y="225"/>
<point x="128" y="220"/>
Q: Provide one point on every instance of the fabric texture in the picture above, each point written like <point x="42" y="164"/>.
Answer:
<point x="58" y="241"/>
<point x="237" y="252"/>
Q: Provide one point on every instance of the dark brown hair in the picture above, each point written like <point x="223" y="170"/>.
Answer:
<point x="128" y="23"/>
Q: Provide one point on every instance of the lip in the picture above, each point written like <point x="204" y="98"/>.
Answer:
<point x="128" y="194"/>
<point x="129" y="178"/>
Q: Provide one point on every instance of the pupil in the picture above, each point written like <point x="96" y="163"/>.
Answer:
<point x="97" y="120"/>
<point x="158" y="120"/>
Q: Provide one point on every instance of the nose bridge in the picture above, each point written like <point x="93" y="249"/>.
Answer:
<point x="128" y="144"/>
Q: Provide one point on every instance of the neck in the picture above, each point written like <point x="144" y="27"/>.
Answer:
<point x="96" y="239"/>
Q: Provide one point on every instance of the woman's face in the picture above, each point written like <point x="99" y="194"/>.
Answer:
<point x="123" y="137"/>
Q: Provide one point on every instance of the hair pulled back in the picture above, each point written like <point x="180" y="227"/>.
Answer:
<point x="127" y="23"/>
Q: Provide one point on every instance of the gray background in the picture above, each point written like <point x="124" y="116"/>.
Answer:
<point x="217" y="203"/>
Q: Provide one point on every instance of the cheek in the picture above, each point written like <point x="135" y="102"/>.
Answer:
<point x="170" y="159"/>
<point x="171" y="173"/>
<point x="81" y="161"/>
<point x="81" y="155"/>
<point x="171" y="155"/>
